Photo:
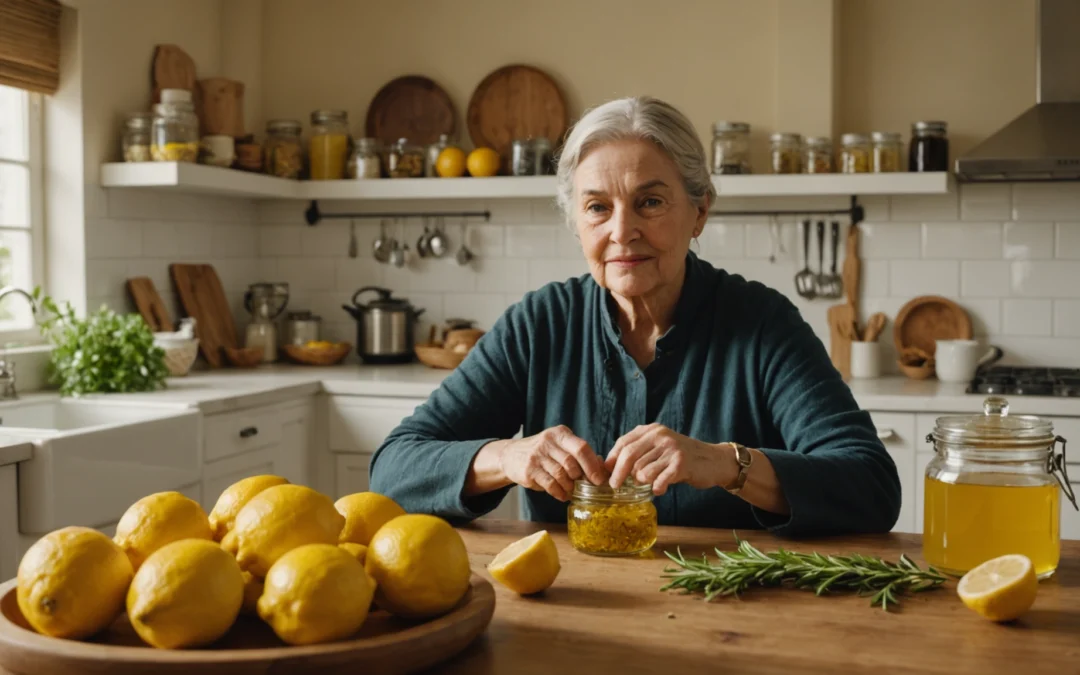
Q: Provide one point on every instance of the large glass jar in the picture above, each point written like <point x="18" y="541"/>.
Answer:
<point x="854" y="153"/>
<point x="404" y="160"/>
<point x="786" y="153"/>
<point x="329" y="145"/>
<point x="993" y="489"/>
<point x="174" y="132"/>
<point x="602" y="521"/>
<point x="929" y="149"/>
<point x="544" y="164"/>
<point x="365" y="161"/>
<point x="730" y="148"/>
<point x="522" y="159"/>
<point x="135" y="142"/>
<point x="818" y="155"/>
<point x="885" y="155"/>
<point x="283" y="156"/>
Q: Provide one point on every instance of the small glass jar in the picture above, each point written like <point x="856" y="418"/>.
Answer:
<point x="818" y="155"/>
<point x="283" y="155"/>
<point x="543" y="160"/>
<point x="135" y="142"/>
<point x="993" y="489"/>
<point x="174" y="133"/>
<point x="328" y="148"/>
<point x="786" y="153"/>
<point x="432" y="155"/>
<point x="854" y="153"/>
<point x="404" y="160"/>
<point x="365" y="162"/>
<point x="929" y="148"/>
<point x="885" y="156"/>
<point x="522" y="159"/>
<point x="730" y="148"/>
<point x="606" y="522"/>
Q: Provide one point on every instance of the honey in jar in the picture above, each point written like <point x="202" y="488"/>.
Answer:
<point x="993" y="489"/>
<point x="606" y="522"/>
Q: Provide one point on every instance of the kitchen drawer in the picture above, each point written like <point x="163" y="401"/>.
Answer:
<point x="231" y="434"/>
<point x="897" y="434"/>
<point x="218" y="476"/>
<point x="361" y="423"/>
<point x="351" y="474"/>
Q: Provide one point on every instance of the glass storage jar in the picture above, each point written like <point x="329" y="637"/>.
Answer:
<point x="135" y="142"/>
<point x="929" y="148"/>
<point x="730" y="148"/>
<point x="283" y="156"/>
<point x="818" y="155"/>
<point x="885" y="154"/>
<point x="602" y="521"/>
<point x="522" y="159"/>
<point x="365" y="161"/>
<point x="329" y="144"/>
<point x="786" y="153"/>
<point x="992" y="489"/>
<point x="174" y="133"/>
<point x="432" y="154"/>
<point x="854" y="153"/>
<point x="543" y="160"/>
<point x="404" y="160"/>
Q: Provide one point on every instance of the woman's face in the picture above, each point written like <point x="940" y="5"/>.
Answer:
<point x="634" y="217"/>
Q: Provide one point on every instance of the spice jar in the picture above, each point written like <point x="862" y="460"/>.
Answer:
<point x="929" y="148"/>
<point x="885" y="156"/>
<point x="329" y="144"/>
<point x="731" y="148"/>
<point x="543" y="161"/>
<point x="404" y="160"/>
<point x="174" y="133"/>
<point x="854" y="153"/>
<point x="282" y="154"/>
<point x="602" y="521"/>
<point x="522" y="161"/>
<point x="135" y="142"/>
<point x="818" y="155"/>
<point x="432" y="154"/>
<point x="786" y="153"/>
<point x="365" y="161"/>
<point x="992" y="489"/>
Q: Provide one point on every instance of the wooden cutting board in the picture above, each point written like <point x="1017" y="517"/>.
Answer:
<point x="203" y="298"/>
<point x="412" y="107"/>
<point x="516" y="102"/>
<point x="172" y="68"/>
<point x="221" y="107"/>
<point x="150" y="305"/>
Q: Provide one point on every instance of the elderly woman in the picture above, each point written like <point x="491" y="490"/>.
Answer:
<point x="655" y="366"/>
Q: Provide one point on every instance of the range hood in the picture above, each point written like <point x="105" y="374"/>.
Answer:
<point x="1043" y="143"/>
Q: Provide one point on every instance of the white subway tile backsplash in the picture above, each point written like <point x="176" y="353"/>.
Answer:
<point x="501" y="274"/>
<point x="544" y="271"/>
<point x="962" y="240"/>
<point x="160" y="239"/>
<point x="923" y="208"/>
<point x="328" y="239"/>
<point x="484" y="308"/>
<point x="875" y="278"/>
<point x="985" y="201"/>
<point x="194" y="239"/>
<point x="442" y="275"/>
<point x="875" y="208"/>
<point x="985" y="279"/>
<point x="1067" y="318"/>
<point x="105" y="278"/>
<point x="234" y="241"/>
<point x="546" y="212"/>
<point x="1059" y="352"/>
<point x="280" y="240"/>
<point x="1045" y="278"/>
<point x="308" y="274"/>
<point x="157" y="270"/>
<point x="889" y="240"/>
<point x="486" y="241"/>
<point x="530" y="241"/>
<point x="1045" y="201"/>
<point x="113" y="238"/>
<point x="236" y="274"/>
<point x="1029" y="241"/>
<point x="1068" y="241"/>
<point x="567" y="244"/>
<point x="985" y="315"/>
<point x="924" y="277"/>
<point x="1027" y="317"/>
<point x="355" y="274"/>
<point x="787" y="246"/>
<point x="722" y="241"/>
<point x="509" y="211"/>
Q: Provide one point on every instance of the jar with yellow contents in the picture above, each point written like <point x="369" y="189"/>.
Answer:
<point x="992" y="489"/>
<point x="606" y="522"/>
<point x="328" y="148"/>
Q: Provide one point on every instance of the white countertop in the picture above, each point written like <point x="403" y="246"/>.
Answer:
<point x="11" y="454"/>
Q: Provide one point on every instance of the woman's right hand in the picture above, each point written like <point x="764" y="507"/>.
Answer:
<point x="549" y="461"/>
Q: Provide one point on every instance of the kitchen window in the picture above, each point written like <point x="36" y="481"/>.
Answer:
<point x="21" y="208"/>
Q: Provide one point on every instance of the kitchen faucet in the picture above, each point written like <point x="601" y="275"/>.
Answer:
<point x="7" y="369"/>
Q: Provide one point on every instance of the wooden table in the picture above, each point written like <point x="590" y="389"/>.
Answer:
<point x="605" y="615"/>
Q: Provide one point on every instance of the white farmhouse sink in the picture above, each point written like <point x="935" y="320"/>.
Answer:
<point x="94" y="458"/>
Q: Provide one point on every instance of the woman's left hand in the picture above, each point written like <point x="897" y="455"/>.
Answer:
<point x="655" y="454"/>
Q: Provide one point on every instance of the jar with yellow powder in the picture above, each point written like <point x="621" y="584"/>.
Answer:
<point x="606" y="522"/>
<point x="329" y="145"/>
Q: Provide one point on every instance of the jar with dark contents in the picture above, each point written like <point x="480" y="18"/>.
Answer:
<point x="522" y="159"/>
<point x="606" y="522"/>
<point x="854" y="153"/>
<point x="929" y="148"/>
<point x="818" y="155"/>
<point x="731" y="148"/>
<point x="786" y="153"/>
<point x="885" y="156"/>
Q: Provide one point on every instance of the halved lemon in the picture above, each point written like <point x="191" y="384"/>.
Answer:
<point x="1001" y="589"/>
<point x="528" y="565"/>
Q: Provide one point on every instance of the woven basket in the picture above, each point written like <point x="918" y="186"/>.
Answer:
<point x="180" y="359"/>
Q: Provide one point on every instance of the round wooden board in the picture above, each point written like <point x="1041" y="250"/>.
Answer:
<point x="516" y="102"/>
<point x="412" y="107"/>
<point x="385" y="645"/>
<point x="928" y="318"/>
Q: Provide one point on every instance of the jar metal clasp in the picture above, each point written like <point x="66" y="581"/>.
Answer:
<point x="1055" y="466"/>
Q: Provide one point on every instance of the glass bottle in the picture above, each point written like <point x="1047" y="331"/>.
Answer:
<point x="731" y="148"/>
<point x="432" y="154"/>
<point x="786" y="153"/>
<point x="606" y="522"/>
<point x="886" y="151"/>
<point x="818" y="155"/>
<point x="283" y="155"/>
<point x="365" y="161"/>
<point x="929" y="148"/>
<point x="174" y="132"/>
<point x="854" y="153"/>
<point x="329" y="144"/>
<point x="135" y="142"/>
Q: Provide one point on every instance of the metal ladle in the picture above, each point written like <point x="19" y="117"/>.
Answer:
<point x="464" y="255"/>
<point x="422" y="244"/>
<point x="382" y="246"/>
<point x="400" y="253"/>
<point x="438" y="244"/>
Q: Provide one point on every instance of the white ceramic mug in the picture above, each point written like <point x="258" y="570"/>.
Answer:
<point x="865" y="359"/>
<point x="219" y="150"/>
<point x="957" y="360"/>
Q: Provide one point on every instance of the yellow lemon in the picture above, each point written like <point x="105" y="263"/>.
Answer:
<point x="316" y="593"/>
<point x="420" y="566"/>
<point x="528" y="565"/>
<point x="187" y="593"/>
<point x="358" y="551"/>
<point x="228" y="542"/>
<point x="1001" y="589"/>
<point x="450" y="163"/>
<point x="71" y="583"/>
<point x="233" y="499"/>
<point x="483" y="162"/>
<point x="253" y="590"/>
<point x="365" y="513"/>
<point x="160" y="519"/>
<point x="279" y="519"/>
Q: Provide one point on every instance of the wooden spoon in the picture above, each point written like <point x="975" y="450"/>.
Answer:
<point x="874" y="325"/>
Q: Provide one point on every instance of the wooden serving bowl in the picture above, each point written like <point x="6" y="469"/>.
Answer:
<point x="462" y="336"/>
<point x="309" y="356"/>
<point x="244" y="357"/>
<point x="437" y="356"/>
<point x="916" y="372"/>
<point x="384" y="645"/>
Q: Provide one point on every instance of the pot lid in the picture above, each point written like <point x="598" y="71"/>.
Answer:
<point x="995" y="428"/>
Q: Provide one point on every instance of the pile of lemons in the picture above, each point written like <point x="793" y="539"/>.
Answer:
<point x="307" y="566"/>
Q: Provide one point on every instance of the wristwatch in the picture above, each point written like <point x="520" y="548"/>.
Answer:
<point x="744" y="459"/>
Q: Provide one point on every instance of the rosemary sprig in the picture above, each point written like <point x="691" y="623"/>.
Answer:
<point x="736" y="571"/>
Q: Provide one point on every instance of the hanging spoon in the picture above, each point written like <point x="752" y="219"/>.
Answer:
<point x="464" y="255"/>
<point x="382" y="246"/>
<point x="354" y="247"/>
<point x="437" y="243"/>
<point x="422" y="243"/>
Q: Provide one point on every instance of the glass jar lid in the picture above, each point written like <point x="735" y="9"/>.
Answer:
<point x="322" y="116"/>
<point x="785" y="138"/>
<point x="995" y="428"/>
<point x="885" y="137"/>
<point x="139" y="120"/>
<point x="724" y="126"/>
<point x="629" y="491"/>
<point x="283" y="127"/>
<point x="930" y="127"/>
<point x="854" y="139"/>
<point x="819" y="141"/>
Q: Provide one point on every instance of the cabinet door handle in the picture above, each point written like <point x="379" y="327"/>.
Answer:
<point x="885" y="434"/>
<point x="248" y="432"/>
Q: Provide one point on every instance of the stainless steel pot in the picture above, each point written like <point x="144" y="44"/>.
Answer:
<point x="385" y="327"/>
<point x="301" y="327"/>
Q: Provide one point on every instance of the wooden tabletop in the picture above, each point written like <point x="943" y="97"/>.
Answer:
<point x="606" y="615"/>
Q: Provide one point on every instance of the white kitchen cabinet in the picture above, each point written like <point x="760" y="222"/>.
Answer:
<point x="9" y="522"/>
<point x="218" y="476"/>
<point x="897" y="434"/>
<point x="351" y="474"/>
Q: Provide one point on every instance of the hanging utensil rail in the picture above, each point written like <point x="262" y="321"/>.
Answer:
<point x="313" y="215"/>
<point x="855" y="211"/>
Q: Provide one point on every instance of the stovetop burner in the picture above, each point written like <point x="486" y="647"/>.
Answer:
<point x="1027" y="381"/>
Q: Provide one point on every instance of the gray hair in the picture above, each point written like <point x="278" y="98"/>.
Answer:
<point x="639" y="118"/>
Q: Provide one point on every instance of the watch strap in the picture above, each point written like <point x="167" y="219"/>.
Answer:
<point x="744" y="458"/>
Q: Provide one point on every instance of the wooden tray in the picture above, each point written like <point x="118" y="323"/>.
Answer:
<point x="516" y="102"/>
<point x="928" y="318"/>
<point x="411" y="107"/>
<point x="203" y="298"/>
<point x="385" y="645"/>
